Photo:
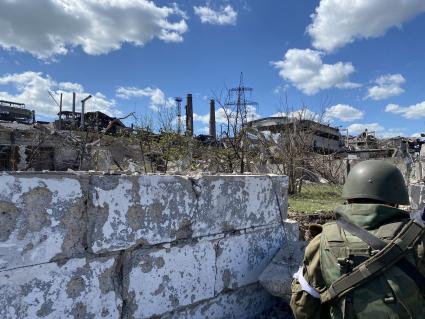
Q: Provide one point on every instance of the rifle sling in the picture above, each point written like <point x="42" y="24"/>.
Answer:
<point x="377" y="243"/>
<point x="388" y="256"/>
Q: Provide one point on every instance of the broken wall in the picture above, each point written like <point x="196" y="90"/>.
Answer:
<point x="154" y="246"/>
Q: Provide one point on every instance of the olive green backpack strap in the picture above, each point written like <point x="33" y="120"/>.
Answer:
<point x="333" y="232"/>
<point x="376" y="265"/>
<point x="388" y="231"/>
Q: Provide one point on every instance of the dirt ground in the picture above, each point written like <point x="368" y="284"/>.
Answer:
<point x="305" y="220"/>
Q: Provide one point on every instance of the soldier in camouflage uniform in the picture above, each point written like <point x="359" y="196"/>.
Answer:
<point x="370" y="263"/>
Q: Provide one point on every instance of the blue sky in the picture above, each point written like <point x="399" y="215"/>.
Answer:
<point x="358" y="63"/>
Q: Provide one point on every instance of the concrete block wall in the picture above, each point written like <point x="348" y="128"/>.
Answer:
<point x="78" y="245"/>
<point x="417" y="198"/>
<point x="417" y="202"/>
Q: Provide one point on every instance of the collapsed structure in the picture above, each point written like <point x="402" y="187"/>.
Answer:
<point x="325" y="139"/>
<point x="93" y="121"/>
<point x="15" y="112"/>
<point x="41" y="146"/>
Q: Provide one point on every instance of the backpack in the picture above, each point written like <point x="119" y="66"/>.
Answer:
<point x="389" y="294"/>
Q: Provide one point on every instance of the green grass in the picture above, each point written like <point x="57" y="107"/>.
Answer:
<point x="316" y="198"/>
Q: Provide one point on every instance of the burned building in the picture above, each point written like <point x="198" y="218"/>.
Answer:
<point x="325" y="139"/>
<point x="367" y="145"/>
<point x="15" y="112"/>
<point x="22" y="149"/>
<point x="364" y="141"/>
<point x="93" y="121"/>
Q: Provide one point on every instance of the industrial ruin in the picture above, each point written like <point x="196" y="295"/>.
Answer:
<point x="96" y="141"/>
<point x="115" y="221"/>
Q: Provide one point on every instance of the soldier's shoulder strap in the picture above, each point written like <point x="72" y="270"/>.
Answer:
<point x="388" y="256"/>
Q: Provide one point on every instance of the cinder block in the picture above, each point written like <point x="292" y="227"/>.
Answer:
<point x="292" y="230"/>
<point x="229" y="202"/>
<point x="277" y="277"/>
<point x="156" y="282"/>
<point x="79" y="288"/>
<point x="241" y="259"/>
<point x="416" y="196"/>
<point x="41" y="218"/>
<point x="125" y="211"/>
<point x="248" y="302"/>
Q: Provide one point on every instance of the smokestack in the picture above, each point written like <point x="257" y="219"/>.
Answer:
<point x="73" y="107"/>
<point x="212" y="119"/>
<point x="179" y="114"/>
<point x="82" y="114"/>
<point x="189" y="115"/>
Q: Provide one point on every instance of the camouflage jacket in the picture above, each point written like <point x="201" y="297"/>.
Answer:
<point x="305" y="301"/>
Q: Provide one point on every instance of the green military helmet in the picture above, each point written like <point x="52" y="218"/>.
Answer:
<point x="378" y="180"/>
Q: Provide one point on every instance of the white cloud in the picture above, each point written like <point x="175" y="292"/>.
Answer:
<point x="307" y="72"/>
<point x="410" y="112"/>
<point x="304" y="113"/>
<point x="359" y="128"/>
<point x="46" y="28"/>
<point x="32" y="89"/>
<point x="222" y="115"/>
<point x="343" y="112"/>
<point x="348" y="85"/>
<point x="224" y="16"/>
<point x="202" y="118"/>
<point x="205" y="130"/>
<point x="391" y="133"/>
<point x="386" y="86"/>
<point x="339" y="22"/>
<point x="69" y="86"/>
<point x="379" y="130"/>
<point x="281" y="89"/>
<point x="156" y="96"/>
<point x="252" y="113"/>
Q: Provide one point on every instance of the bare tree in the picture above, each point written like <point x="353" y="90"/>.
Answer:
<point x="233" y="138"/>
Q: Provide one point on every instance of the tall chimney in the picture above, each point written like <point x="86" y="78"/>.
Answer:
<point x="189" y="115"/>
<point x="212" y="119"/>
<point x="73" y="107"/>
<point x="83" y="103"/>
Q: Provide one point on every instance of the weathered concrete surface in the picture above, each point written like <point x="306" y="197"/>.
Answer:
<point x="160" y="281"/>
<point x="227" y="203"/>
<point x="417" y="199"/>
<point x="419" y="216"/>
<point x="126" y="211"/>
<point x="417" y="202"/>
<point x="92" y="246"/>
<point x="241" y="259"/>
<point x="163" y="280"/>
<point x="152" y="210"/>
<point x="40" y="218"/>
<point x="245" y="303"/>
<point x="79" y="288"/>
<point x="277" y="276"/>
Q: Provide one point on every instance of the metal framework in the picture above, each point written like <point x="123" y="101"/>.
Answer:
<point x="239" y="103"/>
<point x="12" y="111"/>
<point x="179" y="114"/>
